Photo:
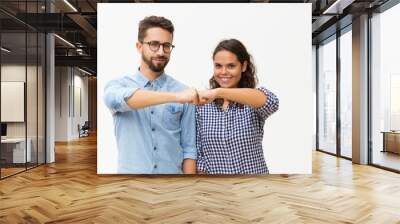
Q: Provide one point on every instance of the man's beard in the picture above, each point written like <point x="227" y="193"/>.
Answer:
<point x="155" y="67"/>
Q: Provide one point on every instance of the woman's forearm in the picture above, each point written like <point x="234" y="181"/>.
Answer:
<point x="251" y="97"/>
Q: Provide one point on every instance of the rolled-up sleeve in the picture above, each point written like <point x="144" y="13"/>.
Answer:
<point x="270" y="106"/>
<point x="188" y="132"/>
<point x="116" y="94"/>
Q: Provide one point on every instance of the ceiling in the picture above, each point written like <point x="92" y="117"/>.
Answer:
<point x="76" y="22"/>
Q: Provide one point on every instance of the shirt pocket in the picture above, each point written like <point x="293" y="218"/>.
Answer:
<point x="172" y="116"/>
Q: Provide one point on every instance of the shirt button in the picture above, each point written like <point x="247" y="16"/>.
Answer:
<point x="153" y="129"/>
<point x="155" y="166"/>
<point x="155" y="148"/>
<point x="152" y="112"/>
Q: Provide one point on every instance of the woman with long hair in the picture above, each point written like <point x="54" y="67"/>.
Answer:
<point x="230" y="121"/>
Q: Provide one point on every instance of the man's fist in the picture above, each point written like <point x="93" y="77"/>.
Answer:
<point x="188" y="96"/>
<point x="207" y="96"/>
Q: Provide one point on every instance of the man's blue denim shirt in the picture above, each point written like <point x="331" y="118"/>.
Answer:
<point x="155" y="139"/>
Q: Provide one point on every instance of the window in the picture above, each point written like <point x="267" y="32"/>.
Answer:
<point x="327" y="96"/>
<point x="346" y="93"/>
<point x="385" y="89"/>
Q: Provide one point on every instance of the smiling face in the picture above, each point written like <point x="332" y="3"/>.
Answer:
<point x="228" y="69"/>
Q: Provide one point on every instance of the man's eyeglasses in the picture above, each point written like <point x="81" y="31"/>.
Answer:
<point x="155" y="46"/>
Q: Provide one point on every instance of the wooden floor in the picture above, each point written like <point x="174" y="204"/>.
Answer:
<point x="5" y="172"/>
<point x="10" y="171"/>
<point x="387" y="159"/>
<point x="70" y="191"/>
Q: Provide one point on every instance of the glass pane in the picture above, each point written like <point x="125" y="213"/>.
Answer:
<point x="346" y="94"/>
<point x="314" y="72"/>
<point x="386" y="89"/>
<point x="31" y="85"/>
<point x="31" y="101"/>
<point x="41" y="98"/>
<point x="13" y="86"/>
<point x="23" y="82"/>
<point x="327" y="97"/>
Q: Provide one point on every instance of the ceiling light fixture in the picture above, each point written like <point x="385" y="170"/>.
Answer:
<point x="5" y="50"/>
<point x="84" y="71"/>
<point x="64" y="40"/>
<point x="70" y="5"/>
<point x="338" y="6"/>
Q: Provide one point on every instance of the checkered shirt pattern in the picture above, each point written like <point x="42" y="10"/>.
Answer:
<point x="230" y="142"/>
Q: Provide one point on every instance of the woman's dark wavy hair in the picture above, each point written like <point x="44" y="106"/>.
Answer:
<point x="249" y="78"/>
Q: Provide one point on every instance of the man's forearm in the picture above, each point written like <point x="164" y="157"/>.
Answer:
<point x="144" y="98"/>
<point x="189" y="166"/>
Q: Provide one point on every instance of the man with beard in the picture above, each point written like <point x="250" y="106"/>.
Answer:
<point x="154" y="119"/>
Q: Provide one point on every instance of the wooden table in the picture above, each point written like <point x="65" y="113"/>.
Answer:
<point x="391" y="141"/>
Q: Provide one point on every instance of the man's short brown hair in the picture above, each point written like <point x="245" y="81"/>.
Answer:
<point x="154" y="21"/>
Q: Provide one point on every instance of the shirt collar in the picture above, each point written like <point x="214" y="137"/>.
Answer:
<point x="143" y="81"/>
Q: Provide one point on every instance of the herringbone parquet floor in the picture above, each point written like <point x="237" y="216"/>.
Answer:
<point x="70" y="191"/>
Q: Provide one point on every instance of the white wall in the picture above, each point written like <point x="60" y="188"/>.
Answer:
<point x="33" y="127"/>
<point x="67" y="115"/>
<point x="81" y="83"/>
<point x="61" y="103"/>
<point x="12" y="73"/>
<point x="277" y="35"/>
